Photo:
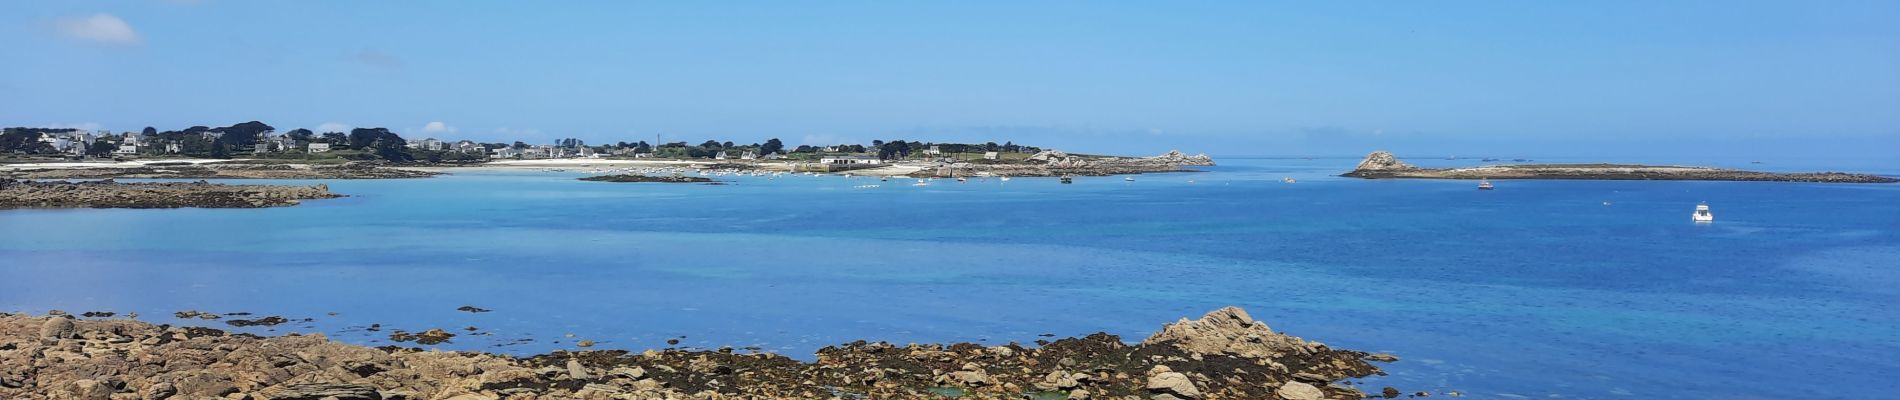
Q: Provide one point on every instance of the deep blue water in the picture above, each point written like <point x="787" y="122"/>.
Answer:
<point x="1535" y="289"/>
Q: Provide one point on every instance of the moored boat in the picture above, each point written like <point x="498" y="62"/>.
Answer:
<point x="1702" y="213"/>
<point x="1484" y="184"/>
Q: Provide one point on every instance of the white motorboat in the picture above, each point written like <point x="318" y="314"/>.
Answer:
<point x="1702" y="213"/>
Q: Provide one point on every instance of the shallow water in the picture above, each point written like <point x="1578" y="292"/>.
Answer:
<point x="1535" y="289"/>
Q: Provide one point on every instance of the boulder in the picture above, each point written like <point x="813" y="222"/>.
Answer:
<point x="56" y="328"/>
<point x="1299" y="391"/>
<point x="1163" y="381"/>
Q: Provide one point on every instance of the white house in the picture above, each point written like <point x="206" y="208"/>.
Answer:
<point x="507" y="152"/>
<point x="989" y="155"/>
<point x="933" y="150"/>
<point x="175" y="147"/>
<point x="127" y="149"/>
<point x="720" y="156"/>
<point x="318" y="148"/>
<point x="850" y="160"/>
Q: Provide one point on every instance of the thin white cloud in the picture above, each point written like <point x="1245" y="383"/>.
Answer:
<point x="333" y="127"/>
<point x="438" y="127"/>
<point x="102" y="28"/>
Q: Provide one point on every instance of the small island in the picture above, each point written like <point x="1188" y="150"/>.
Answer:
<point x="638" y="178"/>
<point x="110" y="194"/>
<point x="1382" y="165"/>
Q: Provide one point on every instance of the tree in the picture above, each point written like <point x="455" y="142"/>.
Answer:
<point x="391" y="147"/>
<point x="101" y="148"/>
<point x="893" y="150"/>
<point x="771" y="146"/>
<point x="300" y="134"/>
<point x="336" y="138"/>
<point x="150" y="131"/>
<point x="361" y="138"/>
<point x="711" y="144"/>
<point x="242" y="134"/>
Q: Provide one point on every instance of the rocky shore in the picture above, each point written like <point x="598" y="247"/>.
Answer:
<point x="109" y="194"/>
<point x="1223" y="355"/>
<point x="1058" y="163"/>
<point x="1382" y="165"/>
<point x="636" y="178"/>
<point x="223" y="171"/>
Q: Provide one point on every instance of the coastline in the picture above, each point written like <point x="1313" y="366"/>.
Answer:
<point x="1224" y="354"/>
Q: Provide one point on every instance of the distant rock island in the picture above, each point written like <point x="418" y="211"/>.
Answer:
<point x="1382" y="165"/>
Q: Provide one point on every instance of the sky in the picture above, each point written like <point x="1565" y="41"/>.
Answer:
<point x="1228" y="78"/>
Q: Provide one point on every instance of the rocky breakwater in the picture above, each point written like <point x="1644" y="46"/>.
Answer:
<point x="1058" y="163"/>
<point x="1382" y="165"/>
<point x="109" y="194"/>
<point x="1224" y="355"/>
<point x="225" y="171"/>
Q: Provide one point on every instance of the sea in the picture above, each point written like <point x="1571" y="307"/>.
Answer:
<point x="1538" y="289"/>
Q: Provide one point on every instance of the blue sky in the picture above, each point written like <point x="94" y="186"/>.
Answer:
<point x="1451" y="77"/>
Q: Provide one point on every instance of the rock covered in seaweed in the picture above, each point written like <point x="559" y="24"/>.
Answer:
<point x="1191" y="359"/>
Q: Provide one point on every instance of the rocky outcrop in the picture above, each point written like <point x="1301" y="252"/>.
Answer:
<point x="636" y="178"/>
<point x="1381" y="164"/>
<point x="1215" y="357"/>
<point x="224" y="171"/>
<point x="1058" y="163"/>
<point x="1228" y="331"/>
<point x="1382" y="161"/>
<point x="109" y="194"/>
<point x="1175" y="157"/>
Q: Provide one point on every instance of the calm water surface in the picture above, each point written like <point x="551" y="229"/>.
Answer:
<point x="1538" y="289"/>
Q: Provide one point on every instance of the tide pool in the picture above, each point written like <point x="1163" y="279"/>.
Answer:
<point x="1579" y="289"/>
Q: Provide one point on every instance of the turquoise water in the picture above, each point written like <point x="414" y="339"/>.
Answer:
<point x="1535" y="289"/>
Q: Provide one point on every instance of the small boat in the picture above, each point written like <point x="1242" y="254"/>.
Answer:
<point x="1005" y="178"/>
<point x="1484" y="185"/>
<point x="921" y="182"/>
<point x="962" y="179"/>
<point x="1128" y="179"/>
<point x="884" y="179"/>
<point x="1702" y="213"/>
<point x="1289" y="180"/>
<point x="1068" y="179"/>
